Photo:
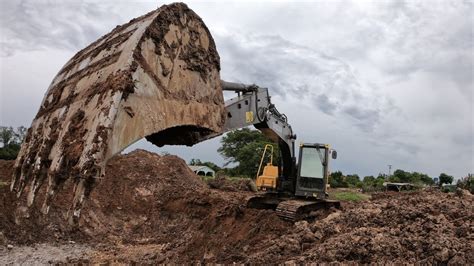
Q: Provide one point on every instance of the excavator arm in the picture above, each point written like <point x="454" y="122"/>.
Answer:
<point x="253" y="106"/>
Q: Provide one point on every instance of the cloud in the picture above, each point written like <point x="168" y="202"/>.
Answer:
<point x="292" y="70"/>
<point x="325" y="105"/>
<point x="403" y="37"/>
<point x="386" y="82"/>
<point x="47" y="24"/>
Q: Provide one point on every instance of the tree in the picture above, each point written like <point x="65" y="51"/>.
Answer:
<point x="445" y="179"/>
<point x="7" y="134"/>
<point x="20" y="133"/>
<point x="11" y="140"/>
<point x="353" y="180"/>
<point x="211" y="165"/>
<point x="407" y="177"/>
<point x="370" y="183"/>
<point x="400" y="176"/>
<point x="195" y="162"/>
<point x="244" y="147"/>
<point x="467" y="183"/>
<point x="425" y="179"/>
<point x="369" y="179"/>
<point x="337" y="179"/>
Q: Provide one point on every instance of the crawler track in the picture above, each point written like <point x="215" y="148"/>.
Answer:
<point x="295" y="210"/>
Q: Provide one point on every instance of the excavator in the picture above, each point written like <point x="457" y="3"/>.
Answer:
<point x="156" y="77"/>
<point x="295" y="190"/>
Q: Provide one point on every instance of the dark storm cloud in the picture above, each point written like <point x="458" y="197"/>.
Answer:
<point x="366" y="119"/>
<point x="324" y="104"/>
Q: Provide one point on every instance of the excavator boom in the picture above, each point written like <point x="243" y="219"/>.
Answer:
<point x="253" y="107"/>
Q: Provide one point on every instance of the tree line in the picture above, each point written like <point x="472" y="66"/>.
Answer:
<point x="244" y="147"/>
<point x="370" y="183"/>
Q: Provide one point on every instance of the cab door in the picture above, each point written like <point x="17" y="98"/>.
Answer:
<point x="312" y="170"/>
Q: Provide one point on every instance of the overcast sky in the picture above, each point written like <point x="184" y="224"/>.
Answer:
<point x="385" y="82"/>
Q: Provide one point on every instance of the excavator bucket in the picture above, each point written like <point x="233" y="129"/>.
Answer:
<point x="156" y="76"/>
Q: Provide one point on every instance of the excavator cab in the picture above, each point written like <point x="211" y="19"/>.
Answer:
<point x="313" y="170"/>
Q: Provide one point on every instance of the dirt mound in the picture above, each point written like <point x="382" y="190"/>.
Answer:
<point x="6" y="198"/>
<point x="161" y="201"/>
<point x="427" y="227"/>
<point x="157" y="203"/>
<point x="154" y="209"/>
<point x="226" y="184"/>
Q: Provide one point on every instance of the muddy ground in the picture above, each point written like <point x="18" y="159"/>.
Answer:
<point x="153" y="209"/>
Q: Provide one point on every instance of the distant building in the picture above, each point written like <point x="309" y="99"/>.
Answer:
<point x="397" y="186"/>
<point x="202" y="170"/>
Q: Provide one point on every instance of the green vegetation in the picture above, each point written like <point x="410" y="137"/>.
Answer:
<point x="445" y="179"/>
<point x="400" y="176"/>
<point x="11" y="141"/>
<point x="349" y="196"/>
<point x="244" y="147"/>
<point x="211" y="165"/>
<point x="448" y="188"/>
<point x="467" y="183"/>
<point x="370" y="183"/>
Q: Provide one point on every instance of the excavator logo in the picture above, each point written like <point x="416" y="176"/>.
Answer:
<point x="249" y="117"/>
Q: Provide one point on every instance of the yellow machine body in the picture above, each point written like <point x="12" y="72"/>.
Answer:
<point x="268" y="179"/>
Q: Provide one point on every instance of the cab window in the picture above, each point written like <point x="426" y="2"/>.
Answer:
<point x="312" y="162"/>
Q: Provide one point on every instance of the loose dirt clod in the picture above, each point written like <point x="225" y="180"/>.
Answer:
<point x="226" y="184"/>
<point x="154" y="209"/>
<point x="155" y="77"/>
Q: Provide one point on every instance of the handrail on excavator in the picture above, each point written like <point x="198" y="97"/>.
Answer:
<point x="263" y="156"/>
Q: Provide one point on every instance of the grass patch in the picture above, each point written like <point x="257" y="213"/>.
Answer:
<point x="230" y="178"/>
<point x="206" y="178"/>
<point x="238" y="178"/>
<point x="349" y="196"/>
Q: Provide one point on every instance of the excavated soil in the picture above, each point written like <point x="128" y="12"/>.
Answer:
<point x="152" y="209"/>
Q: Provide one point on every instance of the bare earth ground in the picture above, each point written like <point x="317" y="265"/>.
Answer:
<point x="153" y="209"/>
